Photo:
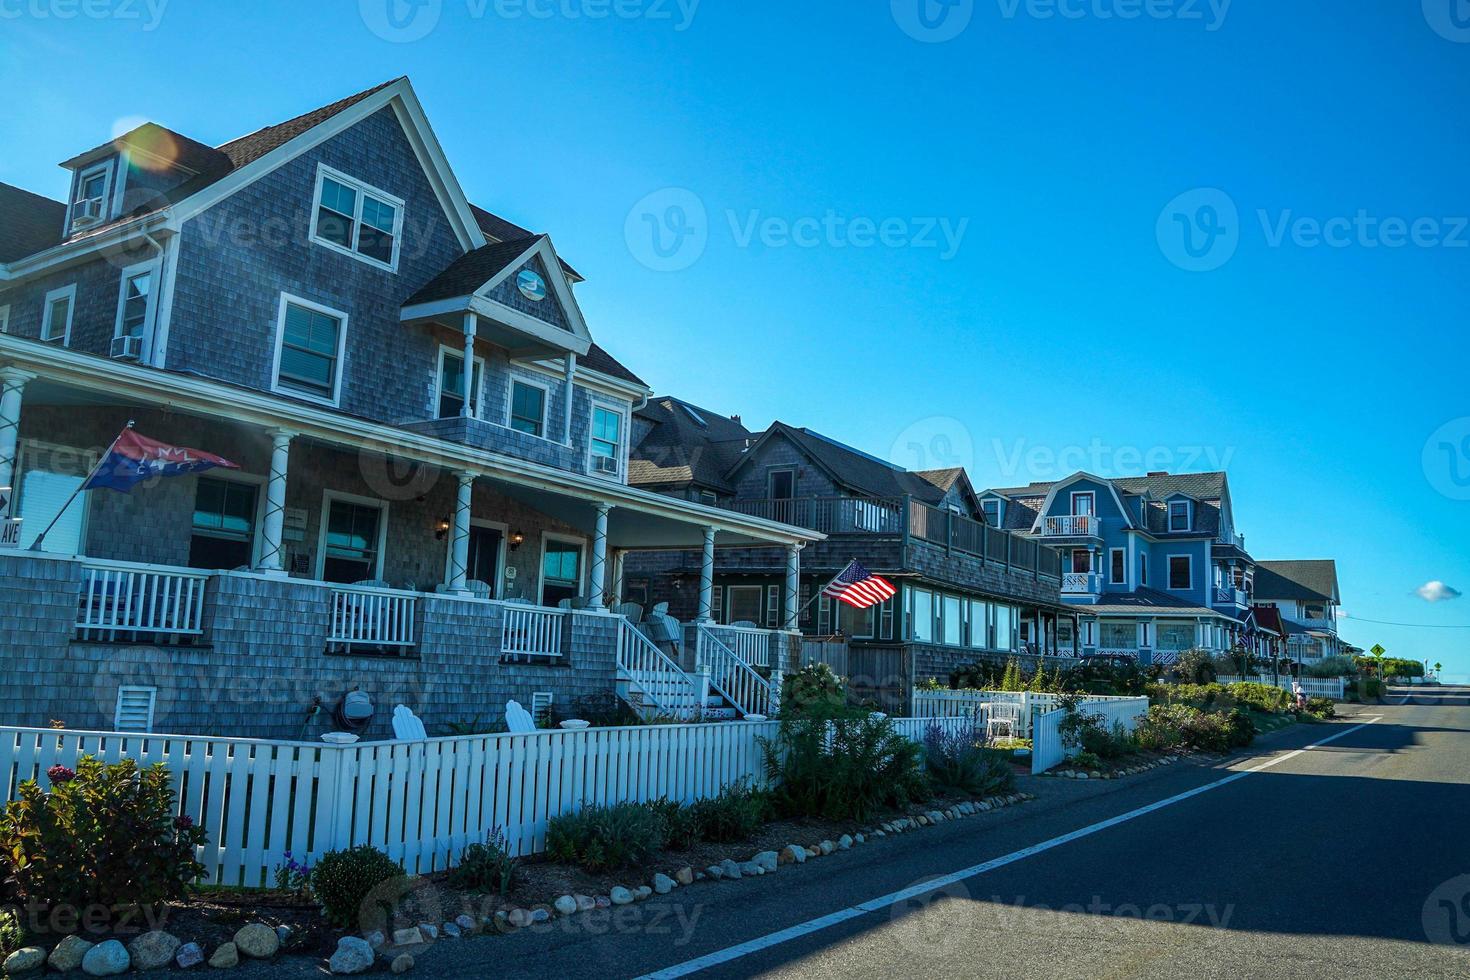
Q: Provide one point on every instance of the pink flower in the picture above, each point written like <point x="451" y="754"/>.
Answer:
<point x="60" y="774"/>
<point x="184" y="822"/>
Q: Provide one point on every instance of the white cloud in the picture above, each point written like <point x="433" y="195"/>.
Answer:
<point x="1437" y="591"/>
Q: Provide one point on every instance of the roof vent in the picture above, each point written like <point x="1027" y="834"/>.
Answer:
<point x="1159" y="473"/>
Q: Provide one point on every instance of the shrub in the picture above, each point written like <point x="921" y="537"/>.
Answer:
<point x="1194" y="667"/>
<point x="681" y="825"/>
<point x="1261" y="697"/>
<point x="1198" y="695"/>
<point x="963" y="762"/>
<point x="104" y="836"/>
<point x="1162" y="729"/>
<point x="1321" y="707"/>
<point x="813" y="689"/>
<point x="486" y="867"/>
<point x="12" y="936"/>
<point x="979" y="676"/>
<point x="1331" y="667"/>
<point x="843" y="767"/>
<point x="344" y="881"/>
<point x="1173" y="726"/>
<point x="1104" y="678"/>
<point x="602" y="838"/>
<point x="735" y="815"/>
<point x="1086" y="760"/>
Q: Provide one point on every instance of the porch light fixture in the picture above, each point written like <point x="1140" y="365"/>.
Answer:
<point x="516" y="540"/>
<point x="442" y="530"/>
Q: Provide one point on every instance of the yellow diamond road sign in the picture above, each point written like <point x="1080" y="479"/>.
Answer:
<point x="1378" y="650"/>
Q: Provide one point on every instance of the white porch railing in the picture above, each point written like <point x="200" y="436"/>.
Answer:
<point x="119" y="599"/>
<point x="532" y="632"/>
<point x="368" y="617"/>
<point x="1081" y="583"/>
<point x="749" y="692"/>
<point x="748" y="643"/>
<point x="1069" y="525"/>
<point x="664" y="687"/>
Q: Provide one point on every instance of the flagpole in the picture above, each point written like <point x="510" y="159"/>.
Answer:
<point x="821" y="592"/>
<point x="36" y="544"/>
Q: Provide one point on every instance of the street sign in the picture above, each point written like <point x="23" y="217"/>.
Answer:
<point x="9" y="532"/>
<point x="1378" y="650"/>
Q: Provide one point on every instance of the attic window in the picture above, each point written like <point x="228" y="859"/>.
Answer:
<point x="698" y="419"/>
<point x="90" y="204"/>
<point x="1179" y="515"/>
<point x="991" y="508"/>
<point x="352" y="217"/>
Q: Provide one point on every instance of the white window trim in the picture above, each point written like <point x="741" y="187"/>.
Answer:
<point x="151" y="316"/>
<point x="1169" y="573"/>
<point x="621" y="455"/>
<point x="104" y="168"/>
<point x="582" y="570"/>
<point x="5" y="319"/>
<point x="479" y="395"/>
<point x="259" y="482"/>
<point x="332" y="496"/>
<point x="985" y="506"/>
<point x="1114" y="553"/>
<point x="510" y="391"/>
<point x="760" y="604"/>
<point x="497" y="587"/>
<point x="1091" y="495"/>
<point x="286" y="389"/>
<point x="152" y="693"/>
<point x="1188" y="516"/>
<point x="323" y="171"/>
<point x="70" y="292"/>
<point x="1143" y="569"/>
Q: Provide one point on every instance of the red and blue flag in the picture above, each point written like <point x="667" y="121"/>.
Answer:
<point x="135" y="459"/>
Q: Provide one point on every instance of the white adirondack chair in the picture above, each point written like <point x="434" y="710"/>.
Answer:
<point x="407" y="726"/>
<point x="518" y="720"/>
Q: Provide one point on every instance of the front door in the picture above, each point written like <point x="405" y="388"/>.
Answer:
<point x="1081" y="560"/>
<point x="1083" y="504"/>
<point x="783" y="492"/>
<point x="484" y="563"/>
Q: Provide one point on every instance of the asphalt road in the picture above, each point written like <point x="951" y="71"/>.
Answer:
<point x="1342" y="860"/>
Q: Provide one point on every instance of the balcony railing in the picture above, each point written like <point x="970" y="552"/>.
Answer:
<point x="896" y="516"/>
<point x="124" y="602"/>
<point x="370" y="618"/>
<point x="749" y="644"/>
<point x="532" y="633"/>
<point x="1081" y="583"/>
<point x="1070" y="526"/>
<point x="1229" y="596"/>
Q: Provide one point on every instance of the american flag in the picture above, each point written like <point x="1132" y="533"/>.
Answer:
<point x="857" y="586"/>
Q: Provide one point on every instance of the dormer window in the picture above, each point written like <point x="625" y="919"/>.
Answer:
<point x="1179" y="515"/>
<point x="991" y="508"/>
<point x="352" y="217"/>
<point x="89" y="206"/>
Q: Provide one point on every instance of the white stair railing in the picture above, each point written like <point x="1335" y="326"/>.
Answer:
<point x="749" y="692"/>
<point x="118" y="600"/>
<point x="368" y="617"/>
<point x="662" y="683"/>
<point x="750" y="644"/>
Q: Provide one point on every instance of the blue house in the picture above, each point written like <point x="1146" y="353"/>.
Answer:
<point x="1154" y="564"/>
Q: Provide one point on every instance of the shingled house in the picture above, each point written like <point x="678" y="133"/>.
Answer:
<point x="433" y="453"/>
<point x="1305" y="593"/>
<point x="967" y="590"/>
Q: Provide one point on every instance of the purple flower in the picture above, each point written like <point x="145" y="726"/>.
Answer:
<point x="184" y="822"/>
<point x="60" y="774"/>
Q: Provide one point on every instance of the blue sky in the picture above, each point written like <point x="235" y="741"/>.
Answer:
<point x="962" y="250"/>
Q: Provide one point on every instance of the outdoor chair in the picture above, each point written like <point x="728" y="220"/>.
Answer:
<point x="518" y="720"/>
<point x="480" y="590"/>
<point x="745" y="624"/>
<point x="631" y="611"/>
<point x="1003" y="717"/>
<point x="372" y="583"/>
<point x="407" y="726"/>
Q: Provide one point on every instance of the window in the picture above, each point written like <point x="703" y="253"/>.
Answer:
<point x="607" y="436"/>
<point x="223" y="534"/>
<point x="1005" y="618"/>
<point x="49" y="477"/>
<point x="4" y="319"/>
<point x="1179" y="515"/>
<point x="527" y="407"/>
<point x="1081" y="560"/>
<point x="352" y="539"/>
<point x="708" y="498"/>
<point x="56" y="314"/>
<point x="1174" y="636"/>
<point x="451" y="384"/>
<point x="745" y="604"/>
<point x="856" y="624"/>
<point x="992" y="511"/>
<point x="979" y="624"/>
<point x="1181" y="573"/>
<point x="355" y="218"/>
<point x="90" y="204"/>
<point x="921" y="615"/>
<point x="885" y="618"/>
<point x="1143" y="568"/>
<point x="1084" y="504"/>
<point x="561" y="571"/>
<point x="1118" y="571"/>
<point x="1119" y="636"/>
<point x="309" y="341"/>
<point x="135" y="301"/>
<point x="134" y="711"/>
<point x="773" y="606"/>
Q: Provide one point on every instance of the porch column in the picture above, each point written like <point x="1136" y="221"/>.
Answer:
<point x="271" y="558"/>
<point x="466" y="410"/>
<point x="793" y="588"/>
<point x="707" y="577"/>
<point x="617" y="582"/>
<point x="459" y="557"/>
<point x="12" y="384"/>
<point x="598" y="597"/>
<point x="571" y="370"/>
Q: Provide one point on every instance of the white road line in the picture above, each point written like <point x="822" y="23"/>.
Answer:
<point x="740" y="950"/>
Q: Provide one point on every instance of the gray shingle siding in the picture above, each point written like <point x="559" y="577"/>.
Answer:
<point x="548" y="309"/>
<point x="94" y="318"/>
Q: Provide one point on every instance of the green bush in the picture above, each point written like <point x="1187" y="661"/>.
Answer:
<point x="813" y="689"/>
<point x="603" y="838"/>
<point x="104" y="836"/>
<point x="963" y="762"/>
<point x="1194" y="667"/>
<point x="486" y="867"/>
<point x="1197" y="695"/>
<point x="1162" y="729"/>
<point x="1108" y="679"/>
<point x="843" y="767"/>
<point x="735" y="815"/>
<point x="1331" y="667"/>
<point x="1173" y="726"/>
<point x="1321" y="707"/>
<point x="12" y="936"/>
<point x="681" y="825"/>
<point x="344" y="880"/>
<point x="1261" y="697"/>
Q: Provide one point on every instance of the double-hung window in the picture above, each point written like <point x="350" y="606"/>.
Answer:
<point x="90" y="204"/>
<point x="135" y="306"/>
<point x="528" y="407"/>
<point x="56" y="314"/>
<point x="309" y="349"/>
<point x="1179" y="515"/>
<point x="352" y="539"/>
<point x="451" y="384"/>
<point x="1181" y="573"/>
<point x="607" y="439"/>
<point x="358" y="219"/>
<point x="223" y="533"/>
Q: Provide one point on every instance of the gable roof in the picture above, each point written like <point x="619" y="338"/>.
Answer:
<point x="1025" y="504"/>
<point x="597" y="359"/>
<point x="500" y="229"/>
<point x="30" y="222"/>
<point x="944" y="479"/>
<point x="686" y="445"/>
<point x="851" y="468"/>
<point x="1267" y="618"/>
<point x="1302" y="579"/>
<point x="473" y="269"/>
<point x="159" y="141"/>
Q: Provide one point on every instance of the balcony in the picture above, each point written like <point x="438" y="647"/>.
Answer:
<point x="898" y="517"/>
<point x="1227" y="596"/>
<point x="1071" y="526"/>
<point x="1081" y="583"/>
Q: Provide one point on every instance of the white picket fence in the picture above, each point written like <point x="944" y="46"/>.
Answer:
<point x="1313" y="687"/>
<point x="1047" y="748"/>
<point x="421" y="802"/>
<point x="955" y="704"/>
